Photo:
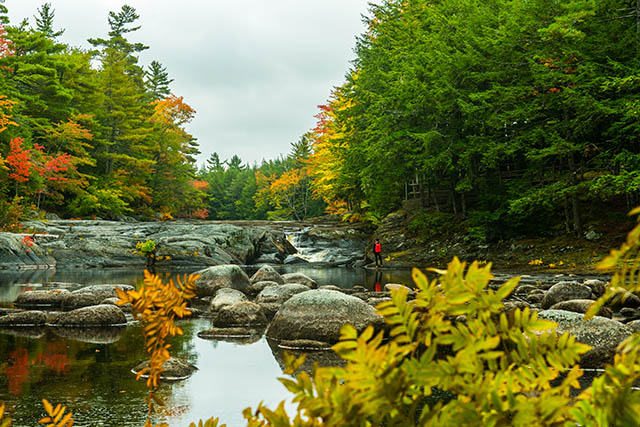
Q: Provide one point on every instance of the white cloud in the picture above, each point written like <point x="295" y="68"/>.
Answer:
<point x="254" y="70"/>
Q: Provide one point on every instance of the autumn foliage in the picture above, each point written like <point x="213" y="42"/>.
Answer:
<point x="157" y="305"/>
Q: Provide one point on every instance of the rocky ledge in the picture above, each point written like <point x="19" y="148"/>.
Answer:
<point x="98" y="244"/>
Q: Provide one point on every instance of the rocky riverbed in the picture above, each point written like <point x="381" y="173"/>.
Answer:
<point x="295" y="313"/>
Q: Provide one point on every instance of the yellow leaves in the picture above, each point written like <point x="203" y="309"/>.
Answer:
<point x="56" y="416"/>
<point x="535" y="262"/>
<point x="4" y="422"/>
<point x="156" y="304"/>
<point x="211" y="422"/>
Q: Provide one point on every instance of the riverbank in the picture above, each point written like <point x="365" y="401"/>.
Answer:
<point x="544" y="253"/>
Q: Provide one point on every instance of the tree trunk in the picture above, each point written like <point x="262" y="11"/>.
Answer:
<point x="575" y="203"/>
<point x="567" y="215"/>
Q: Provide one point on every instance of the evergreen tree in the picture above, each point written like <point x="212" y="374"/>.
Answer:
<point x="44" y="21"/>
<point x="157" y="81"/>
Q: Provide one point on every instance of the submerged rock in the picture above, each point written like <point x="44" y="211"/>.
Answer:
<point x="319" y="314"/>
<point x="33" y="332"/>
<point x="25" y="318"/>
<point x="238" y="335"/>
<point x="42" y="298"/>
<point x="91" y="335"/>
<point x="174" y="369"/>
<point x="94" y="316"/>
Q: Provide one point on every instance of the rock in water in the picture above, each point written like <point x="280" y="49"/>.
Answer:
<point x="602" y="334"/>
<point x="245" y="314"/>
<point x="319" y="314"/>
<point x="300" y="278"/>
<point x="44" y="298"/>
<point x="221" y="276"/>
<point x="267" y="273"/>
<point x="94" y="316"/>
<point x="565" y="291"/>
<point x="174" y="369"/>
<point x="225" y="297"/>
<point x="25" y="318"/>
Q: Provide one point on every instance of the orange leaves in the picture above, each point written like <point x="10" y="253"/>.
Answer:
<point x="156" y="305"/>
<point x="172" y="110"/>
<point x="6" y="106"/>
<point x="22" y="161"/>
<point x="200" y="185"/>
<point x="56" y="416"/>
<point x="5" y="44"/>
<point x="19" y="160"/>
<point x="287" y="181"/>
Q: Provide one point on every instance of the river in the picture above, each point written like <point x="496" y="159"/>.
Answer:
<point x="95" y="381"/>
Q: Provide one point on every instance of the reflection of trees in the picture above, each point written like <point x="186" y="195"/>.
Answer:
<point x="322" y="358"/>
<point x="17" y="371"/>
<point x="21" y="362"/>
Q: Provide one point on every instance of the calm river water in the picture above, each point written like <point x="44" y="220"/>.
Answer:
<point x="95" y="381"/>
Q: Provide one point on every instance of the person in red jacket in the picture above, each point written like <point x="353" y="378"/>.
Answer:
<point x="377" y="251"/>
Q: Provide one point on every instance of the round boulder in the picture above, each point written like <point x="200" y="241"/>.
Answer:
<point x="221" y="276"/>
<point x="225" y="297"/>
<point x="91" y="295"/>
<point x="280" y="294"/>
<point x="127" y="308"/>
<point x="103" y="291"/>
<point x="622" y="299"/>
<point x="243" y="313"/>
<point x="257" y="287"/>
<point x="565" y="291"/>
<point x="581" y="306"/>
<point x="52" y="298"/>
<point x="319" y="314"/>
<point x="25" y="318"/>
<point x="635" y="325"/>
<point x="300" y="278"/>
<point x="267" y="273"/>
<point x="94" y="316"/>
<point x="602" y="334"/>
<point x="597" y="286"/>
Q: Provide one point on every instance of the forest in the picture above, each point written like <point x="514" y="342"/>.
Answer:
<point x="511" y="116"/>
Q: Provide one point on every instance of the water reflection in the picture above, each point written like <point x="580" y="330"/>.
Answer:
<point x="89" y="370"/>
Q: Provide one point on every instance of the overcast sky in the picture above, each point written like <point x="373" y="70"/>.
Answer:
<point x="254" y="70"/>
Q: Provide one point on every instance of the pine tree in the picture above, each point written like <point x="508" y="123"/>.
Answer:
<point x="44" y="21"/>
<point x="157" y="81"/>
